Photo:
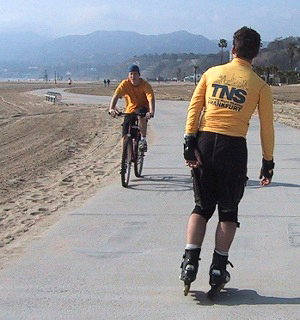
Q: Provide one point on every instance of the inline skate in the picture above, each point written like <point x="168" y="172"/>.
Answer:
<point x="218" y="275"/>
<point x="189" y="268"/>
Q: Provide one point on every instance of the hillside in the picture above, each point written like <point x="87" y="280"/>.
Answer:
<point x="169" y="66"/>
<point x="104" y="54"/>
<point x="106" y="47"/>
<point x="283" y="53"/>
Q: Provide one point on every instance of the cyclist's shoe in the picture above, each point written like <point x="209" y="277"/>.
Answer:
<point x="143" y="145"/>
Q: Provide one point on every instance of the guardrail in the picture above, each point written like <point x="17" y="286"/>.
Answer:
<point x="54" y="97"/>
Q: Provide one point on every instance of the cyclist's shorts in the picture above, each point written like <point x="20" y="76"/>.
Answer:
<point x="130" y="118"/>
<point x="221" y="178"/>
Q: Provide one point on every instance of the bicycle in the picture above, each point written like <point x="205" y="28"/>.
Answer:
<point x="131" y="152"/>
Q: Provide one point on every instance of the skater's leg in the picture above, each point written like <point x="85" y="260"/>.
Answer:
<point x="225" y="232"/>
<point x="196" y="229"/>
<point x="195" y="234"/>
<point x="218" y="275"/>
<point x="224" y="235"/>
<point x="205" y="205"/>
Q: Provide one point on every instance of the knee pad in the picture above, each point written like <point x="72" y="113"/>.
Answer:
<point x="205" y="213"/>
<point x="229" y="214"/>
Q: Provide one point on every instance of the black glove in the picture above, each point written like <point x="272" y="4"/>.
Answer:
<point x="149" y="115"/>
<point x="189" y="147"/>
<point x="267" y="169"/>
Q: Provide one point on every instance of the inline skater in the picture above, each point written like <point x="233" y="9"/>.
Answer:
<point x="215" y="149"/>
<point x="139" y="96"/>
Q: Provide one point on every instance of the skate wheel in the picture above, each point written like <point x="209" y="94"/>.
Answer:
<point x="186" y="289"/>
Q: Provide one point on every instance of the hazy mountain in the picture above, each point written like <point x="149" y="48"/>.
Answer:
<point x="107" y="47"/>
<point x="19" y="47"/>
<point x="104" y="54"/>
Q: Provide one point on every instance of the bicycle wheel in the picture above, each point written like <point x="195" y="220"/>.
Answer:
<point x="126" y="162"/>
<point x="139" y="158"/>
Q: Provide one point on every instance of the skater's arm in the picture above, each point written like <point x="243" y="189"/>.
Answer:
<point x="195" y="107"/>
<point x="191" y="154"/>
<point x="265" y="110"/>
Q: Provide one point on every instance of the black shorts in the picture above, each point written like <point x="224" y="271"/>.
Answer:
<point x="130" y="118"/>
<point x="221" y="178"/>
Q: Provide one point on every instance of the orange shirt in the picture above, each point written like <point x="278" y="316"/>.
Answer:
<point x="135" y="96"/>
<point x="225" y="99"/>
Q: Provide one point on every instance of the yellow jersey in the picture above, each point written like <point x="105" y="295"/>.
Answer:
<point x="225" y="99"/>
<point x="135" y="96"/>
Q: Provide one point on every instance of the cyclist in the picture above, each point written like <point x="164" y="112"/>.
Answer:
<point x="139" y="96"/>
<point x="215" y="148"/>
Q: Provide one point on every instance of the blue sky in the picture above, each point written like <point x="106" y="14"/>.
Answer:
<point x="213" y="19"/>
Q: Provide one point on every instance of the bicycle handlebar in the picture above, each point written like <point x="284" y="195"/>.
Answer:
<point x="120" y="113"/>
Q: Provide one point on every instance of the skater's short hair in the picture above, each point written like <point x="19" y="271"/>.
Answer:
<point x="246" y="42"/>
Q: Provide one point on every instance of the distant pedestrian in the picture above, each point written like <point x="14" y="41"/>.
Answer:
<point x="104" y="81"/>
<point x="108" y="82"/>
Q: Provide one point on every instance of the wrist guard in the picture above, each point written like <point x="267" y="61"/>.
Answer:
<point x="267" y="168"/>
<point x="189" y="146"/>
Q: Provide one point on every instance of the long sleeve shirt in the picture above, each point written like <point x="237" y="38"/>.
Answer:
<point x="225" y="99"/>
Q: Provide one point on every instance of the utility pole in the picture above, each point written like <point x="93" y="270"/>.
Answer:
<point x="46" y="76"/>
<point x="195" y="74"/>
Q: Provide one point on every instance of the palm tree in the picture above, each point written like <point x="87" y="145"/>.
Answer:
<point x="222" y="44"/>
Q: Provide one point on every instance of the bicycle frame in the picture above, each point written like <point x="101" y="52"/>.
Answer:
<point x="134" y="134"/>
<point x="131" y="151"/>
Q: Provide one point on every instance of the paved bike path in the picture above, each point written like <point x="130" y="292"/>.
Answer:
<point x="118" y="256"/>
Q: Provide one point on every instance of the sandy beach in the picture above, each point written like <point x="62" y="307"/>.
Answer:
<point x="54" y="157"/>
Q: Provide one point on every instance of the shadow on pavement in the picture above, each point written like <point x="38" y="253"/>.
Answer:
<point x="183" y="182"/>
<point x="233" y="297"/>
<point x="253" y="184"/>
<point x="162" y="182"/>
